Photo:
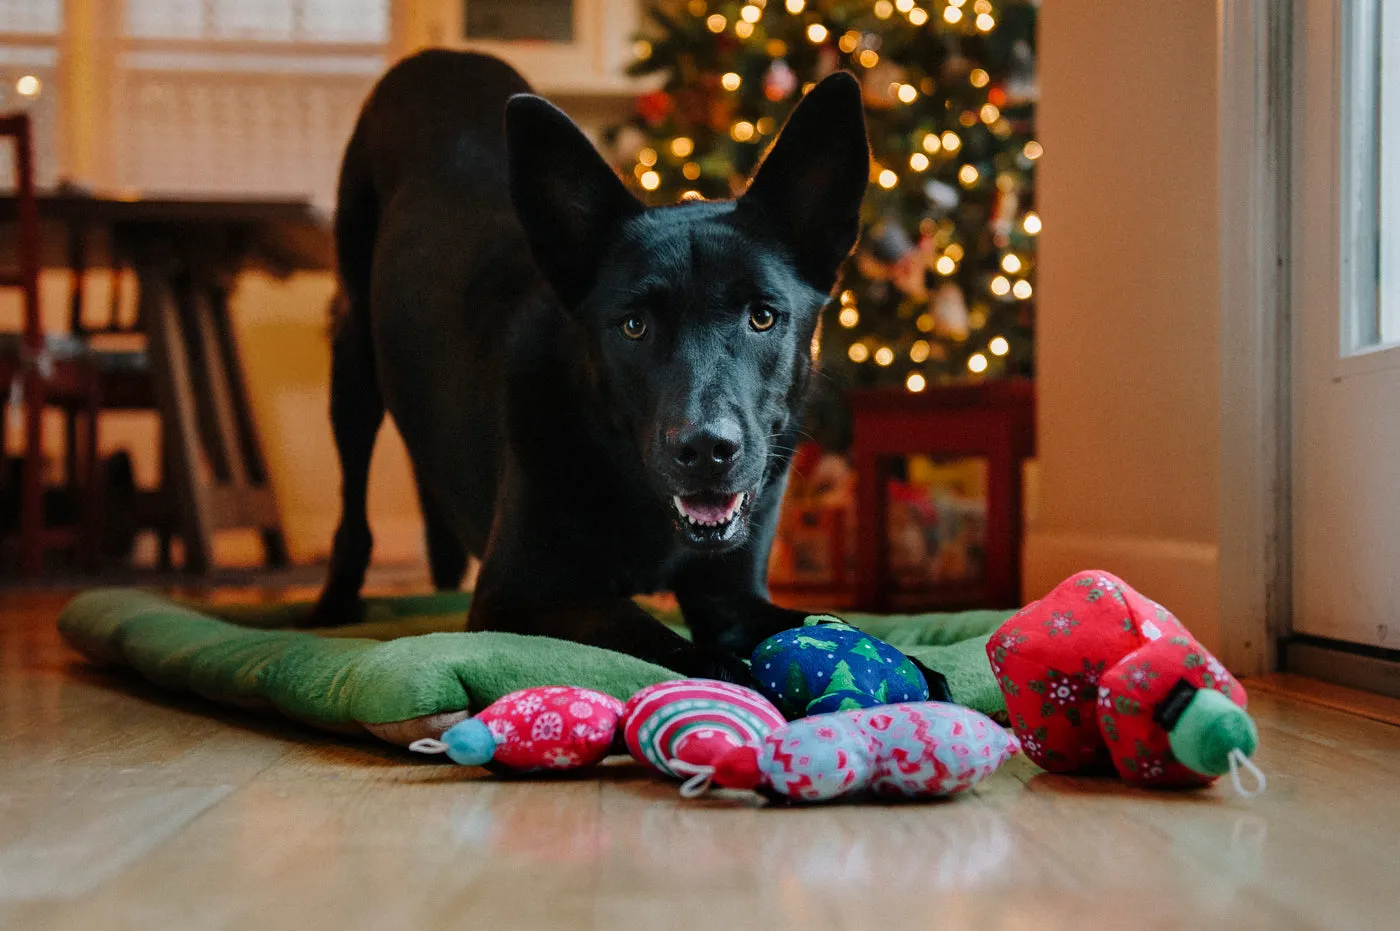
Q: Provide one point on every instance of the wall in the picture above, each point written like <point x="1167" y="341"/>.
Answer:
<point x="282" y="331"/>
<point x="1129" y="312"/>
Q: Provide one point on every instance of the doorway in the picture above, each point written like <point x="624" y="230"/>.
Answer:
<point x="1345" y="457"/>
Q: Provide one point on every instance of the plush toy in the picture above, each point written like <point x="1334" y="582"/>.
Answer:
<point x="1095" y="673"/>
<point x="916" y="750"/>
<point x="693" y="722"/>
<point x="828" y="665"/>
<point x="547" y="727"/>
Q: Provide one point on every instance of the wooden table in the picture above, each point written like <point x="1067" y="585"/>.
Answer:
<point x="187" y="255"/>
<point x="994" y="422"/>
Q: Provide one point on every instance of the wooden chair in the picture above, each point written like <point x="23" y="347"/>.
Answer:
<point x="38" y="372"/>
<point x="127" y="384"/>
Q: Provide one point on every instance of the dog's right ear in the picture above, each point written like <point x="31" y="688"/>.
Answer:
<point x="565" y="195"/>
<point x="811" y="183"/>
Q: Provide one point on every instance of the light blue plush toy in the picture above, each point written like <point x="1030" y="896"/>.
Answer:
<point x="468" y="742"/>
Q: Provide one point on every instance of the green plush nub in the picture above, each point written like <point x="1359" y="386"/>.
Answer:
<point x="1208" y="730"/>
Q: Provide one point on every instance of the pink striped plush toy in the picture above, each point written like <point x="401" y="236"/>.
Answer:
<point x="677" y="727"/>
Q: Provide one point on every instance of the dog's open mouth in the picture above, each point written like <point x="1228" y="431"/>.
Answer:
<point x="709" y="518"/>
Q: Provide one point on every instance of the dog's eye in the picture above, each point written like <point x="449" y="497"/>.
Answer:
<point x="762" y="318"/>
<point x="634" y="327"/>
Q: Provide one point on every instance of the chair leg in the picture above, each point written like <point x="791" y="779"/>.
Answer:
<point x="168" y="505"/>
<point x="72" y="448"/>
<point x="31" y="513"/>
<point x="90" y="548"/>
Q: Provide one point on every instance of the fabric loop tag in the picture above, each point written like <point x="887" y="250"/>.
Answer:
<point x="428" y="745"/>
<point x="700" y="777"/>
<point x="1239" y="761"/>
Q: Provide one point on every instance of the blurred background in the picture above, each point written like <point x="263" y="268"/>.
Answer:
<point x="184" y="156"/>
<point x="1001" y="406"/>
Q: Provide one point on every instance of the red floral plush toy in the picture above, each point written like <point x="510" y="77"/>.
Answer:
<point x="1096" y="673"/>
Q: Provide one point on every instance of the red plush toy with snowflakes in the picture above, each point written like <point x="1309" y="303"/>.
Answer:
<point x="547" y="727"/>
<point x="1096" y="673"/>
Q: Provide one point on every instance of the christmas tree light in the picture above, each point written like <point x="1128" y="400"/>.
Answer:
<point x="944" y="276"/>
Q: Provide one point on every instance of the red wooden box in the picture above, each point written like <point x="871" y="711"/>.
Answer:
<point x="994" y="422"/>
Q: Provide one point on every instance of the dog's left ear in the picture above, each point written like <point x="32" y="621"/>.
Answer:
<point x="811" y="183"/>
<point x="565" y="195"/>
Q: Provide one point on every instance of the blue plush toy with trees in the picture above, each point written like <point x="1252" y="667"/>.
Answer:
<point x="828" y="665"/>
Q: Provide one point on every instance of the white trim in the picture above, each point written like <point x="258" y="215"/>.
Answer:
<point x="1183" y="575"/>
<point x="1254" y="43"/>
<point x="1367" y="359"/>
<point x="280" y="62"/>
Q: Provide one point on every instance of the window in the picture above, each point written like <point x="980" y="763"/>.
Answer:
<point x="242" y="97"/>
<point x="1371" y="177"/>
<point x="221" y="98"/>
<point x="311" y="21"/>
<point x="29" y="36"/>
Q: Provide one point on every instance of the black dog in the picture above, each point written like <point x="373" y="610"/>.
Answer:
<point x="599" y="399"/>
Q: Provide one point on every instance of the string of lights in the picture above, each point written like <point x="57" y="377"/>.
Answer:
<point x="942" y="286"/>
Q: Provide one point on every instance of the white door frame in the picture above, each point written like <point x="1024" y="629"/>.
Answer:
<point x="1255" y="81"/>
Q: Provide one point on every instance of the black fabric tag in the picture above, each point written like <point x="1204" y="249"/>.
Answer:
<point x="1170" y="709"/>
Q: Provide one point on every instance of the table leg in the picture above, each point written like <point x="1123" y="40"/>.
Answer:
<point x="214" y="453"/>
<point x="254" y="465"/>
<point x="92" y="492"/>
<point x="31" y="514"/>
<point x="179" y="417"/>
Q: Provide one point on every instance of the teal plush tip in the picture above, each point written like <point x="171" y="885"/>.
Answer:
<point x="1208" y="730"/>
<point x="469" y="743"/>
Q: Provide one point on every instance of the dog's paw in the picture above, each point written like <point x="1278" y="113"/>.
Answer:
<point x="334" y="612"/>
<point x="706" y="662"/>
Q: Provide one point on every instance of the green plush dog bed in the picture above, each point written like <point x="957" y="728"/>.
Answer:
<point x="409" y="671"/>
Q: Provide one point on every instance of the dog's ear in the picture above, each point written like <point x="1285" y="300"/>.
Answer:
<point x="811" y="183"/>
<point x="565" y="195"/>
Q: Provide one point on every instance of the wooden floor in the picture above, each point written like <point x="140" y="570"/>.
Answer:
<point x="125" y="807"/>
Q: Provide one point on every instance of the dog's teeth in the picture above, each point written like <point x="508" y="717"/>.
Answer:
<point x="726" y="523"/>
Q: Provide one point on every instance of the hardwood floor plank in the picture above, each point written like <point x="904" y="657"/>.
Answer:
<point x="58" y="844"/>
<point x="123" y="806"/>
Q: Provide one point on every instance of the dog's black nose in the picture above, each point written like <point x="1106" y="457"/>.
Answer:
<point x="705" y="449"/>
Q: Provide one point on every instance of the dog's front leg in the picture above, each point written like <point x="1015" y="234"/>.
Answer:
<point x="725" y="603"/>
<point x="723" y="606"/>
<point x="724" y="597"/>
<point x="617" y="624"/>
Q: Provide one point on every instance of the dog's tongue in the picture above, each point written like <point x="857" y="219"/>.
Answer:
<point x="709" y="509"/>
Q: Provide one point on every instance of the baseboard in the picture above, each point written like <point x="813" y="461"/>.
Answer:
<point x="396" y="541"/>
<point x="1345" y="698"/>
<point x="1370" y="669"/>
<point x="1182" y="575"/>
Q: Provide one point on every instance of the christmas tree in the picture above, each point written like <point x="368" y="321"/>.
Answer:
<point x="942" y="286"/>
